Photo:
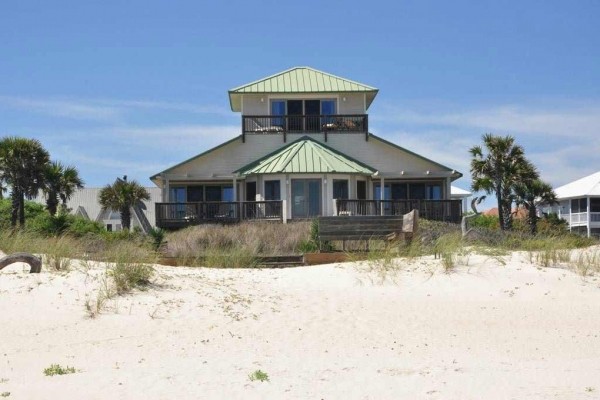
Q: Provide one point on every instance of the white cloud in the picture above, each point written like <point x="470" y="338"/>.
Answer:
<point x="567" y="121"/>
<point x="62" y="108"/>
<point x="103" y="109"/>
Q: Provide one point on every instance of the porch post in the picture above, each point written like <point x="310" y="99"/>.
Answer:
<point x="589" y="218"/>
<point x="235" y="193"/>
<point x="324" y="202"/>
<point x="166" y="191"/>
<point x="284" y="213"/>
<point x="570" y="214"/>
<point x="382" y="196"/>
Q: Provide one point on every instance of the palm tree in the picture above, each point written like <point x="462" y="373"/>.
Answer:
<point x="499" y="171"/>
<point x="22" y="165"/>
<point x="530" y="195"/>
<point x="60" y="185"/>
<point x="121" y="196"/>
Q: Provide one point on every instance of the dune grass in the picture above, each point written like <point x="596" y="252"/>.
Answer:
<point x="235" y="246"/>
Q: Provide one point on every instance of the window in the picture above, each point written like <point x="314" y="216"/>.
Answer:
<point x="340" y="189"/>
<point x="272" y="190"/>
<point x="195" y="193"/>
<point x="434" y="192"/>
<point x="399" y="191"/>
<point x="177" y="194"/>
<point x="306" y="113"/>
<point x="409" y="191"/>
<point x="361" y="190"/>
<point x="227" y="194"/>
<point x="578" y="205"/>
<point x="595" y="204"/>
<point x="218" y="193"/>
<point x="109" y="227"/>
<point x="387" y="194"/>
<point x="278" y="108"/>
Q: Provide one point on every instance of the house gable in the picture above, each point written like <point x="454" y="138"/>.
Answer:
<point x="377" y="154"/>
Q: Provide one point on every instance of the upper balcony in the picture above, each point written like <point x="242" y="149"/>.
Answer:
<point x="326" y="124"/>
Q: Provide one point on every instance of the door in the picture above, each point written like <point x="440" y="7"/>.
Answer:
<point x="295" y="112"/>
<point x="312" y="110"/>
<point x="250" y="208"/>
<point x="306" y="198"/>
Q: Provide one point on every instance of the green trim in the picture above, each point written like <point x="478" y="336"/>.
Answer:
<point x="382" y="140"/>
<point x="195" y="157"/>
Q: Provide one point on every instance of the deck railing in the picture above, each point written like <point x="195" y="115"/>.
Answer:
<point x="437" y="210"/>
<point x="274" y="124"/>
<point x="177" y="215"/>
<point x="581" y="218"/>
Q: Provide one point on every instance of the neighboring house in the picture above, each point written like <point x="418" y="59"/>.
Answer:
<point x="579" y="205"/>
<point x="84" y="203"/>
<point x="457" y="193"/>
<point x="304" y="150"/>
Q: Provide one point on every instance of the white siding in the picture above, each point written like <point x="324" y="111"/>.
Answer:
<point x="88" y="199"/>
<point x="354" y="103"/>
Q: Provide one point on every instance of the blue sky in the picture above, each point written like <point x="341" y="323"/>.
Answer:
<point x="133" y="87"/>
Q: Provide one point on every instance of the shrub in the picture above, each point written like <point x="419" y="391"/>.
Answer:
<point x="157" y="236"/>
<point x="128" y="276"/>
<point x="32" y="209"/>
<point x="229" y="258"/>
<point x="259" y="375"/>
<point x="57" y="369"/>
<point x="81" y="227"/>
<point x="485" y="221"/>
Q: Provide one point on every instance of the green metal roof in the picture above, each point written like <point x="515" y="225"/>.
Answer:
<point x="306" y="156"/>
<point x="300" y="80"/>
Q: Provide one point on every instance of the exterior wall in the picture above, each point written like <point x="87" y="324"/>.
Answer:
<point x="586" y="222"/>
<point x="388" y="160"/>
<point x="88" y="199"/>
<point x="354" y="103"/>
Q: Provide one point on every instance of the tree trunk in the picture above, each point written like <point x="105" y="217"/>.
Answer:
<point x="533" y="219"/>
<point x="500" y="209"/>
<point x="22" y="210"/>
<point x="14" y="215"/>
<point x="126" y="217"/>
<point x="51" y="204"/>
<point x="507" y="214"/>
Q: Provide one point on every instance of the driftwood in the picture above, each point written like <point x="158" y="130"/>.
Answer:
<point x="464" y="224"/>
<point x="34" y="262"/>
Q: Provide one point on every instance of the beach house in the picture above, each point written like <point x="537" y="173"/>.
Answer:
<point x="304" y="150"/>
<point x="579" y="205"/>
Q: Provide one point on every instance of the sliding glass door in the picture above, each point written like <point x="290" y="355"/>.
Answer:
<point x="306" y="198"/>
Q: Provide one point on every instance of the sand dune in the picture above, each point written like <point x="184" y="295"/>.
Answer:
<point x="495" y="329"/>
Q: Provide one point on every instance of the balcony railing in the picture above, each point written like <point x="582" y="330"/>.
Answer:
<point x="178" y="215"/>
<point x="581" y="218"/>
<point x="283" y="124"/>
<point x="436" y="210"/>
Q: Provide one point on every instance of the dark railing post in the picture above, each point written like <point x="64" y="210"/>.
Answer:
<point x="243" y="129"/>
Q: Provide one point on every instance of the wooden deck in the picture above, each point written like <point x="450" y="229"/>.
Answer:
<point x="180" y="215"/>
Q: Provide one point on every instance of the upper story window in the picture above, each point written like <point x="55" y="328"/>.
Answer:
<point x="304" y="110"/>
<point x="303" y="107"/>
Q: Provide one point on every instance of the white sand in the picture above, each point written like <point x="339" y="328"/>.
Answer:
<point x="486" y="331"/>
